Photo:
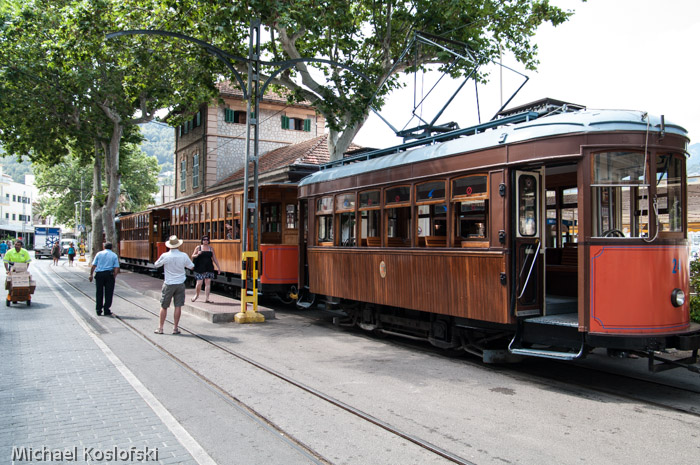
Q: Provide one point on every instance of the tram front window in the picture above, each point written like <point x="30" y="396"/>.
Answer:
<point x="669" y="178"/>
<point x="620" y="197"/>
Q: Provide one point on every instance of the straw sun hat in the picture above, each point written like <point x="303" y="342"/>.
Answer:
<point x="173" y="242"/>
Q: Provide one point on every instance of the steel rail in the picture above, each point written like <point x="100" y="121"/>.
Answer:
<point x="331" y="400"/>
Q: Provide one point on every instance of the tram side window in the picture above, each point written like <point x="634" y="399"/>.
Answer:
<point x="431" y="214"/>
<point x="470" y="200"/>
<point x="398" y="216"/>
<point x="620" y="197"/>
<point x="324" y="220"/>
<point x="669" y="181"/>
<point x="569" y="216"/>
<point x="271" y="218"/>
<point x="345" y="216"/>
<point x="291" y="216"/>
<point x="471" y="220"/>
<point x="370" y="219"/>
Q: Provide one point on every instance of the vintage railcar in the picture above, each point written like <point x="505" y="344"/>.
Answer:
<point x="541" y="235"/>
<point x="142" y="235"/>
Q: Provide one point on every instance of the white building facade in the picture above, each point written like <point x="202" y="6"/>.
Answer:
<point x="16" y="207"/>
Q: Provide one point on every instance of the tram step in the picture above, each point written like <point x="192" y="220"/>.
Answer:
<point x="543" y="353"/>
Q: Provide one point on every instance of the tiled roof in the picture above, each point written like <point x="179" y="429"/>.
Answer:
<point x="227" y="89"/>
<point x="311" y="152"/>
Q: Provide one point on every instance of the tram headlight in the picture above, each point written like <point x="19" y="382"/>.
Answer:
<point x="677" y="298"/>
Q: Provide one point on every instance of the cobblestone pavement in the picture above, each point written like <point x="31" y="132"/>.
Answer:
<point x="62" y="399"/>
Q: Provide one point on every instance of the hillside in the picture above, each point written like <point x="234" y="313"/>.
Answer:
<point x="693" y="166"/>
<point x="159" y="142"/>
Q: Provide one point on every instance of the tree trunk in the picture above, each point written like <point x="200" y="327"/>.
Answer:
<point x="96" y="204"/>
<point x="113" y="179"/>
<point x="338" y="143"/>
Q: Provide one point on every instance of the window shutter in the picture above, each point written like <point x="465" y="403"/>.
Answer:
<point x="307" y="125"/>
<point x="285" y="122"/>
<point x="198" y="119"/>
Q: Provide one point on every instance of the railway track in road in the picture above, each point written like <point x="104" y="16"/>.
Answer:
<point x="316" y="457"/>
<point x="635" y="384"/>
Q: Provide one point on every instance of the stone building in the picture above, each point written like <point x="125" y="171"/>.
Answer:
<point x="210" y="147"/>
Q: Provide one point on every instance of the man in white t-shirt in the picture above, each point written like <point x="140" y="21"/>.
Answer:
<point x="174" y="263"/>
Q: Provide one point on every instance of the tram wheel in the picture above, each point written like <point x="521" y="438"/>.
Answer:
<point x="29" y="303"/>
<point x="289" y="296"/>
<point x="7" y="302"/>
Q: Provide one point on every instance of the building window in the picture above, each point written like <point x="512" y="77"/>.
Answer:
<point x="183" y="175"/>
<point x="296" y="124"/>
<point x="195" y="171"/>
<point x="235" y="116"/>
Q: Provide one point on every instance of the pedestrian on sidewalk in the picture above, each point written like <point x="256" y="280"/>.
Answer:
<point x="204" y="260"/>
<point x="174" y="263"/>
<point x="3" y="249"/>
<point x="105" y="267"/>
<point x="56" y="253"/>
<point x="16" y="255"/>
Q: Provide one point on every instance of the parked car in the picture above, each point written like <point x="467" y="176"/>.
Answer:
<point x="65" y="244"/>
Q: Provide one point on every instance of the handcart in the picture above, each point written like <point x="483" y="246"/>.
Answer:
<point x="19" y="285"/>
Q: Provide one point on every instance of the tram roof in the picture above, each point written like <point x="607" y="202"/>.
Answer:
<point x="584" y="121"/>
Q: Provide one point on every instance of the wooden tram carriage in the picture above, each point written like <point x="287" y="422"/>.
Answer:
<point x="142" y="235"/>
<point x="556" y="234"/>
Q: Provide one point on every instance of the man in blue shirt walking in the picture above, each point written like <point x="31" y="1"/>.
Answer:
<point x="105" y="267"/>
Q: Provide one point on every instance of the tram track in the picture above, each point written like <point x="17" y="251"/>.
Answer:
<point x="317" y="458"/>
<point x="578" y="375"/>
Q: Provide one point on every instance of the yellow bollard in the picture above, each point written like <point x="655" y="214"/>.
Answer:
<point x="250" y="262"/>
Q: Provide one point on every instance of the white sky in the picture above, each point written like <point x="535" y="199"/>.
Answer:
<point x="616" y="54"/>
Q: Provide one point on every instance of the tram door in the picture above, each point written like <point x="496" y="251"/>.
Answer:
<point x="529" y="250"/>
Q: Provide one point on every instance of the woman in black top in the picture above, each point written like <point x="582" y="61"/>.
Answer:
<point x="56" y="253"/>
<point x="204" y="261"/>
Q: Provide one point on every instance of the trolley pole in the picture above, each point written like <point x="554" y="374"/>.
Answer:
<point x="250" y="259"/>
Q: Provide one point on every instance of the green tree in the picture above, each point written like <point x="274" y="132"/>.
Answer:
<point x="370" y="36"/>
<point x="64" y="182"/>
<point x="42" y="209"/>
<point x="64" y="89"/>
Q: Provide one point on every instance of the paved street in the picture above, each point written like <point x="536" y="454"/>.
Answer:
<point x="63" y="392"/>
<point x="66" y="397"/>
<point x="76" y="384"/>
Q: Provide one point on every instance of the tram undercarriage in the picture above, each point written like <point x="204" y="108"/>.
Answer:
<point x="555" y="337"/>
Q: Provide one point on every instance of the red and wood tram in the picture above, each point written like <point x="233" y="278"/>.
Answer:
<point x="554" y="233"/>
<point x="142" y="235"/>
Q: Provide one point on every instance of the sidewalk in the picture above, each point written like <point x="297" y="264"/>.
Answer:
<point x="65" y="398"/>
<point x="222" y="310"/>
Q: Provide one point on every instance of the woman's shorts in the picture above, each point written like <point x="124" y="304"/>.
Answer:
<point x="205" y="275"/>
